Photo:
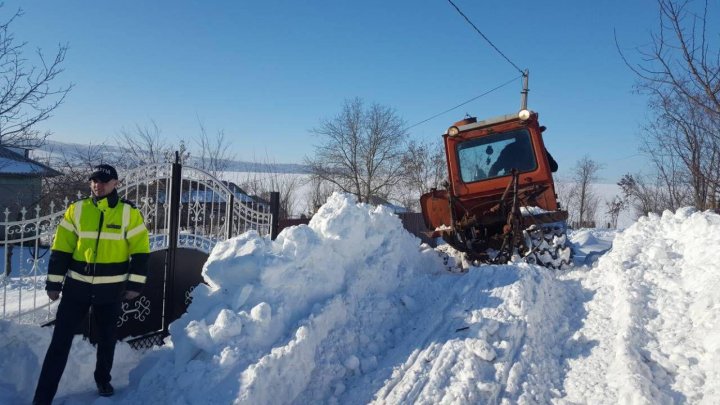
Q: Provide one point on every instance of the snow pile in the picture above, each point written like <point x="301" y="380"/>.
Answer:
<point x="652" y="334"/>
<point x="294" y="317"/>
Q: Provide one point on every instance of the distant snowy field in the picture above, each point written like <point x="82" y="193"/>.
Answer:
<point x="351" y="309"/>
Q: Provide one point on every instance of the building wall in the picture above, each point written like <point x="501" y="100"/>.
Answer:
<point x="17" y="192"/>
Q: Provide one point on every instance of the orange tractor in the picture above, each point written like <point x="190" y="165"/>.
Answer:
<point x="499" y="200"/>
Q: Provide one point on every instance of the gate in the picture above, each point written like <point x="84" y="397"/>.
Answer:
<point x="186" y="210"/>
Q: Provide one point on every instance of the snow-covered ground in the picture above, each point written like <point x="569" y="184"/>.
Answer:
<point x="351" y="310"/>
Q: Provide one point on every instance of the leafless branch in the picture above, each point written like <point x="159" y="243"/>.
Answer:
<point x="27" y="93"/>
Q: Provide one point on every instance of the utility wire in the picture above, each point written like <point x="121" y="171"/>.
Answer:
<point x="485" y="38"/>
<point x="465" y="102"/>
<point x="522" y="73"/>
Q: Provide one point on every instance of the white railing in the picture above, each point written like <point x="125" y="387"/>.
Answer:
<point x="25" y="246"/>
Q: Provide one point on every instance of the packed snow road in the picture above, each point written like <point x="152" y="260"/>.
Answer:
<point x="489" y="345"/>
<point x="348" y="310"/>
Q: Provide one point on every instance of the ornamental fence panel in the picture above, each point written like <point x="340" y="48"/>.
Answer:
<point x="187" y="212"/>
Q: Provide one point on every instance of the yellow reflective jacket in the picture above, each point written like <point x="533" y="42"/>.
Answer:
<point x="101" y="249"/>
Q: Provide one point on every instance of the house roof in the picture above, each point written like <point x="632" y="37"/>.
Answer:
<point x="210" y="196"/>
<point x="242" y="195"/>
<point x="13" y="163"/>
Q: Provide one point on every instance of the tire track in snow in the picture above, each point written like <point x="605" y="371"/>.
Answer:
<point x="544" y="312"/>
<point x="495" y="340"/>
<point x="425" y="369"/>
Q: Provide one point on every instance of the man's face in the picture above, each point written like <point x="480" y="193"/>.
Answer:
<point x="101" y="189"/>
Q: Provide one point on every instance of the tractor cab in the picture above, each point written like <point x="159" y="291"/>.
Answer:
<point x="500" y="196"/>
<point x="481" y="157"/>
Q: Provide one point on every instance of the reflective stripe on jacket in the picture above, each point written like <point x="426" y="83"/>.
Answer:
<point x="102" y="244"/>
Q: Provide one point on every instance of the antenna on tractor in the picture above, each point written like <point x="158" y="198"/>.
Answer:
<point x="524" y="92"/>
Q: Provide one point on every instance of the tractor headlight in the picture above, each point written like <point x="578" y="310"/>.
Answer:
<point x="524" y="115"/>
<point x="453" y="131"/>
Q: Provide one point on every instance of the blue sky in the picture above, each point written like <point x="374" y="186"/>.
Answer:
<point x="266" y="72"/>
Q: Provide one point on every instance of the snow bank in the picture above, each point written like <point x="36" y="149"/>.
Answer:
<point x="654" y="322"/>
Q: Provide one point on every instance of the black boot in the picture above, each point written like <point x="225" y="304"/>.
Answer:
<point x="105" y="389"/>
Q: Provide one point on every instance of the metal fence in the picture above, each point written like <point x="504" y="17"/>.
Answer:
<point x="183" y="207"/>
<point x="24" y="246"/>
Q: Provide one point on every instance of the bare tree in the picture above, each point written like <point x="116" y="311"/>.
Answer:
<point x="685" y="154"/>
<point x="267" y="178"/>
<point x="361" y="150"/>
<point x="75" y="165"/>
<point x="214" y="152"/>
<point x="143" y="145"/>
<point x="424" y="167"/>
<point x="27" y="94"/>
<point x="614" y="207"/>
<point x="646" y="194"/>
<point x="320" y="191"/>
<point x="680" y="71"/>
<point x="582" y="199"/>
<point x="181" y="154"/>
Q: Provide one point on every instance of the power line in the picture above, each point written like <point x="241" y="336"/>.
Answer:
<point x="465" y="102"/>
<point x="522" y="73"/>
<point x="484" y="37"/>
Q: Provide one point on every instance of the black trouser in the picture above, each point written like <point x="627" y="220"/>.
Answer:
<point x="69" y="316"/>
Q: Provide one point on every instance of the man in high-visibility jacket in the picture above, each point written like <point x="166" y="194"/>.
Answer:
<point x="99" y="258"/>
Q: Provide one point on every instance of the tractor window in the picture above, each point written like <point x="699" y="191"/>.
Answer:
<point x="495" y="155"/>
